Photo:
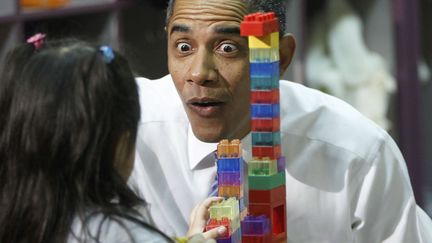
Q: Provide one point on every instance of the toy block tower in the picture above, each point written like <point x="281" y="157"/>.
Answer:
<point x="230" y="175"/>
<point x="266" y="171"/>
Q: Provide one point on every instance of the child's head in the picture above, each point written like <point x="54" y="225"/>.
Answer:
<point x="70" y="112"/>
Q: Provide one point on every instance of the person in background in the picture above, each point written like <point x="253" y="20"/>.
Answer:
<point x="346" y="179"/>
<point x="69" y="118"/>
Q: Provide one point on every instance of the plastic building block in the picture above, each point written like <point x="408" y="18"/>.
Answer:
<point x="214" y="223"/>
<point x="257" y="238"/>
<point x="229" y="149"/>
<point x="264" y="82"/>
<point x="265" y="96"/>
<point x="264" y="69"/>
<point x="266" y="138"/>
<point x="266" y="182"/>
<point x="267" y="41"/>
<point x="231" y="191"/>
<point x="264" y="55"/>
<point x="281" y="164"/>
<point x="273" y="152"/>
<point x="265" y="124"/>
<point x="265" y="110"/>
<point x="235" y="148"/>
<point x="276" y="211"/>
<point x="43" y="3"/>
<point x="223" y="148"/>
<point x="255" y="225"/>
<point x="262" y="167"/>
<point x="227" y="208"/>
<point x="259" y="24"/>
<point x="267" y="196"/>
<point x="230" y="178"/>
<point x="229" y="164"/>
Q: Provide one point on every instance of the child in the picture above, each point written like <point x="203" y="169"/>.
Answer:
<point x="69" y="117"/>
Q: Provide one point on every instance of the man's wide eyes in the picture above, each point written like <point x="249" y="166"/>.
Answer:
<point x="183" y="47"/>
<point x="227" y="48"/>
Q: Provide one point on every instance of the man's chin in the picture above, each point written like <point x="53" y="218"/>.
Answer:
<point x="208" y="134"/>
<point x="209" y="137"/>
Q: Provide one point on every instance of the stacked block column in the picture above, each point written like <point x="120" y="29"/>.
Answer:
<point x="231" y="176"/>
<point x="266" y="171"/>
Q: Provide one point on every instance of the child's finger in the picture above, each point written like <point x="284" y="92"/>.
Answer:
<point x="215" y="233"/>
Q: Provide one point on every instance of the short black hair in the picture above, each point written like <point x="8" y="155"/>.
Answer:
<point x="276" y="6"/>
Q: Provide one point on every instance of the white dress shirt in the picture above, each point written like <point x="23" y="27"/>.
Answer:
<point x="346" y="180"/>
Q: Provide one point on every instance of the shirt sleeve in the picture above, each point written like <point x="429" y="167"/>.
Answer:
<point x="386" y="210"/>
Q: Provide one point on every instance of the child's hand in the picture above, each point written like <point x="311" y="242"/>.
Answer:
<point x="199" y="217"/>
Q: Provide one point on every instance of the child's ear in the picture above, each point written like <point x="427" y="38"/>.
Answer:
<point x="287" y="47"/>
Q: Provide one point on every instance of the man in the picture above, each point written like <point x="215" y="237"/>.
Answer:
<point x="346" y="179"/>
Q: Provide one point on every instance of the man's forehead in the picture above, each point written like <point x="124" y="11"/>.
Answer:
<point x="210" y="9"/>
<point x="211" y="2"/>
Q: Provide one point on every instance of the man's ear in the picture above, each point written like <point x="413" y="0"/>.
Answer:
<point x="287" y="46"/>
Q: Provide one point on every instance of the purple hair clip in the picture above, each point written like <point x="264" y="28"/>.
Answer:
<point x="37" y="40"/>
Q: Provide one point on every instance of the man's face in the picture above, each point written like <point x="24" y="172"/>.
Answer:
<point x="208" y="61"/>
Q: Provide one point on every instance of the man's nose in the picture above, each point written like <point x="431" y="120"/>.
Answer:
<point x="203" y="70"/>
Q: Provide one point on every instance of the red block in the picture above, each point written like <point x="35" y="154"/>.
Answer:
<point x="259" y="24"/>
<point x="273" y="152"/>
<point x="266" y="125"/>
<point x="265" y="96"/>
<point x="267" y="196"/>
<point x="276" y="211"/>
<point x="256" y="238"/>
<point x="214" y="223"/>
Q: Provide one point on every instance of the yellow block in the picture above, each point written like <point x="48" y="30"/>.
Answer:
<point x="267" y="41"/>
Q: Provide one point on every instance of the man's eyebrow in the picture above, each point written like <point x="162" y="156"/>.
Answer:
<point x="180" y="28"/>
<point x="227" y="30"/>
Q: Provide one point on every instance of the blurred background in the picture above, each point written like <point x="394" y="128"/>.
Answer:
<point x="375" y="54"/>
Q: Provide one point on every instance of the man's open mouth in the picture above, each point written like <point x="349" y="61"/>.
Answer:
<point x="205" y="107"/>
<point x="207" y="103"/>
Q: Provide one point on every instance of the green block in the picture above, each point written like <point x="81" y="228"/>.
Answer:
<point x="266" y="182"/>
<point x="262" y="167"/>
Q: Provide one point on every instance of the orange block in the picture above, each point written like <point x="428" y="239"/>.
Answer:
<point x="43" y="3"/>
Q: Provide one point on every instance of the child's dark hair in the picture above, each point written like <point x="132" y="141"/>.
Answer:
<point x="64" y="110"/>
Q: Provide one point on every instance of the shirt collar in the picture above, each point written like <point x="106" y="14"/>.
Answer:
<point x="198" y="150"/>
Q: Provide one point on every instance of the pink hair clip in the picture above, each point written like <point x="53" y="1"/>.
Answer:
<point x="37" y="40"/>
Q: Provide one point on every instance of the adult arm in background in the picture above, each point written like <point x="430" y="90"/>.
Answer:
<point x="386" y="202"/>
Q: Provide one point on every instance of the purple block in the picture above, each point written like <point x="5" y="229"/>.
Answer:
<point x="228" y="178"/>
<point x="281" y="164"/>
<point x="255" y="225"/>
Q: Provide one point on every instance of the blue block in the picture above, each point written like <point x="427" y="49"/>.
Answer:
<point x="265" y="110"/>
<point x="230" y="164"/>
<point x="267" y="69"/>
<point x="266" y="138"/>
